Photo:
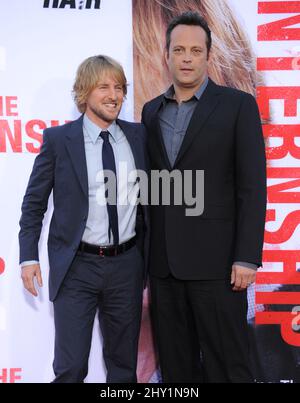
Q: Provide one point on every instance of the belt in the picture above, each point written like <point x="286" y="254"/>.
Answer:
<point x="107" y="250"/>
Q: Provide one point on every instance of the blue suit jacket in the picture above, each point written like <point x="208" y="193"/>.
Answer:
<point x="61" y="167"/>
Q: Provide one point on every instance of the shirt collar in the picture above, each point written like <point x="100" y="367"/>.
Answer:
<point x="94" y="130"/>
<point x="169" y="94"/>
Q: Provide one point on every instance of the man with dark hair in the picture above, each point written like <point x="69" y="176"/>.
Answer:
<point x="200" y="266"/>
<point x="192" y="19"/>
<point x="96" y="242"/>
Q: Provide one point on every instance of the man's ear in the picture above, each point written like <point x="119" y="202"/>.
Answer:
<point x="166" y="56"/>
<point x="208" y="55"/>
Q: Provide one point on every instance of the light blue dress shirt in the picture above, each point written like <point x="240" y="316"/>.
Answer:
<point x="96" y="230"/>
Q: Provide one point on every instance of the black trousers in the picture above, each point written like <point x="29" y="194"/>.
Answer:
<point x="201" y="330"/>
<point x="114" y="286"/>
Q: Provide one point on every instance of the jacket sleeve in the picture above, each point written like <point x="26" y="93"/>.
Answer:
<point x="250" y="175"/>
<point x="35" y="201"/>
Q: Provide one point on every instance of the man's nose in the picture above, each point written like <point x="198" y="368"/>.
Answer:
<point x="112" y="93"/>
<point x="187" y="56"/>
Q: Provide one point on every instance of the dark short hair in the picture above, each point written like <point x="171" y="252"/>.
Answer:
<point x="189" y="18"/>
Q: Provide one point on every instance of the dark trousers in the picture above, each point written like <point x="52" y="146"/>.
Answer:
<point x="114" y="286"/>
<point x="201" y="330"/>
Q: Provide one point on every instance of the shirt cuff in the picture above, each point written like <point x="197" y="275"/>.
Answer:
<point x="28" y="263"/>
<point x="248" y="265"/>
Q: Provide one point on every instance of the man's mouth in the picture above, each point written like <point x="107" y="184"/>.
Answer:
<point x="111" y="105"/>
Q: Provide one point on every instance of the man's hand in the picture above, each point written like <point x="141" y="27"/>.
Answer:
<point x="28" y="274"/>
<point x="242" y="277"/>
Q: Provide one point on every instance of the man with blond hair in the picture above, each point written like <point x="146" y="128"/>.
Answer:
<point x="96" y="243"/>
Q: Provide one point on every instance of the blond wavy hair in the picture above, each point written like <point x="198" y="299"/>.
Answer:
<point x="232" y="61"/>
<point x="90" y="72"/>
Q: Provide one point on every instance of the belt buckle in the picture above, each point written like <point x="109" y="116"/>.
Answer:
<point x="101" y="251"/>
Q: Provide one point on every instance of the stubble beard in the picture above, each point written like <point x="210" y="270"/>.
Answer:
<point x="103" y="116"/>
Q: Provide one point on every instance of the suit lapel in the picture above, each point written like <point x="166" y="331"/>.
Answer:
<point x="76" y="150"/>
<point x="131" y="136"/>
<point x="204" y="109"/>
<point x="157" y="135"/>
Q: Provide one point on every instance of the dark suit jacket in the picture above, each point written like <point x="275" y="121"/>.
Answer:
<point x="61" y="166"/>
<point x="224" y="138"/>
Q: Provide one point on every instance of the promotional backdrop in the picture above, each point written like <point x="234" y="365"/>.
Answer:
<point x="255" y="48"/>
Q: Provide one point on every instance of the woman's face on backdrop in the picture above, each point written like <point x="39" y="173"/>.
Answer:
<point x="187" y="57"/>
